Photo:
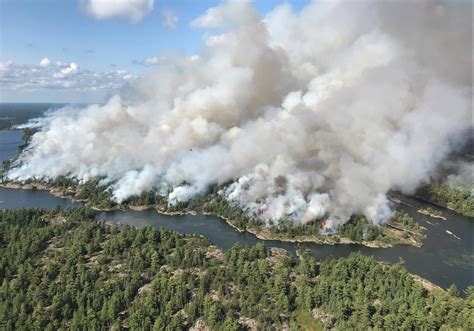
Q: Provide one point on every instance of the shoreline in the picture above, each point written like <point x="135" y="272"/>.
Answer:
<point x="426" y="212"/>
<point x="262" y="234"/>
<point x="321" y="240"/>
<point x="175" y="213"/>
<point x="432" y="203"/>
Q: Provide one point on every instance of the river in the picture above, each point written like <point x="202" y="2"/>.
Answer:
<point x="443" y="259"/>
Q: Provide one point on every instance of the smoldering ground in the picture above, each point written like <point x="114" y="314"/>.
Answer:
<point x="309" y="114"/>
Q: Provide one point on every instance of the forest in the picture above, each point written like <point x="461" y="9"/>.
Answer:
<point x="358" y="229"/>
<point x="59" y="270"/>
<point x="458" y="199"/>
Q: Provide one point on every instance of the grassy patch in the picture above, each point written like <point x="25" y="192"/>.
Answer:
<point x="303" y="320"/>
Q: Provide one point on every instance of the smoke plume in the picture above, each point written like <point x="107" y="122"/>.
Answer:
<point x="308" y="114"/>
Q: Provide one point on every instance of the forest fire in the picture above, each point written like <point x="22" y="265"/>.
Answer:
<point x="319" y="118"/>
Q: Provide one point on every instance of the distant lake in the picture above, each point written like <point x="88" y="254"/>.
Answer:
<point x="9" y="142"/>
<point x="20" y="113"/>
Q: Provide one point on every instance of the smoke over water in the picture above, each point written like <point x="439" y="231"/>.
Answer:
<point x="308" y="114"/>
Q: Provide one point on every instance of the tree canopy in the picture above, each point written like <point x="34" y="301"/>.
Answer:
<point x="61" y="270"/>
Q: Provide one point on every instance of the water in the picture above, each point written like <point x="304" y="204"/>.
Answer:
<point x="19" y="113"/>
<point x="9" y="142"/>
<point x="443" y="259"/>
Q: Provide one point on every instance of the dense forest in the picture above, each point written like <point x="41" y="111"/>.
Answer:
<point x="357" y="229"/>
<point x="458" y="199"/>
<point x="60" y="270"/>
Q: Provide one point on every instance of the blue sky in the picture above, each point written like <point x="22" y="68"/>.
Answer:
<point x="65" y="32"/>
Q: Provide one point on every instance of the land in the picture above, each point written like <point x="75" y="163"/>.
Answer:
<point x="400" y="230"/>
<point x="459" y="200"/>
<point x="432" y="213"/>
<point x="60" y="269"/>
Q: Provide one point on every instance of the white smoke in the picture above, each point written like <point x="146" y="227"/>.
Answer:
<point x="463" y="176"/>
<point x="310" y="114"/>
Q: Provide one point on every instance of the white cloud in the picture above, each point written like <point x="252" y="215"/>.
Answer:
<point x="67" y="70"/>
<point x="59" y="76"/>
<point x="216" y="40"/>
<point x="133" y="10"/>
<point x="194" y="58"/>
<point x="45" y="62"/>
<point x="210" y="19"/>
<point x="168" y="19"/>
<point x="151" y="61"/>
<point x="5" y="65"/>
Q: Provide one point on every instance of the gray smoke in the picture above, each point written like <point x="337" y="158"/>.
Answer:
<point x="310" y="114"/>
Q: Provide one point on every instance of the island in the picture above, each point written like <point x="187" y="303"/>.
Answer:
<point x="432" y="213"/>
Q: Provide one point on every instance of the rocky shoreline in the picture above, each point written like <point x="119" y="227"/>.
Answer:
<point x="58" y="193"/>
<point x="324" y="240"/>
<point x="262" y="234"/>
<point x="427" y="212"/>
<point x="176" y="213"/>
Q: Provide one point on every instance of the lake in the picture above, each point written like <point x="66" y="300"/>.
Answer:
<point x="443" y="259"/>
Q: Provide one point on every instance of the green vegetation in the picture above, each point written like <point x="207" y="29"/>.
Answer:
<point x="305" y="321"/>
<point x="431" y="212"/>
<point x="458" y="199"/>
<point x="146" y="199"/>
<point x="434" y="212"/>
<point x="401" y="230"/>
<point x="219" y="206"/>
<point x="95" y="194"/>
<point x="5" y="166"/>
<point x="358" y="230"/>
<point x="59" y="270"/>
<point x="26" y="138"/>
<point x="407" y="221"/>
